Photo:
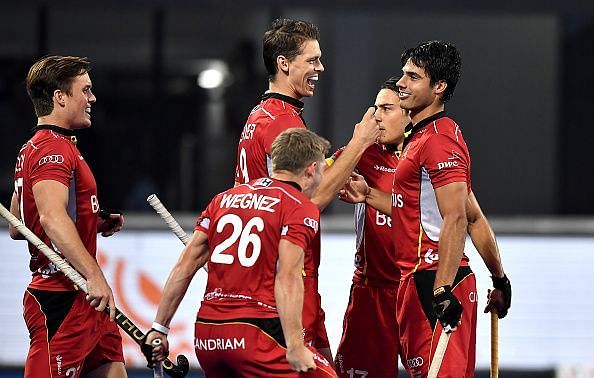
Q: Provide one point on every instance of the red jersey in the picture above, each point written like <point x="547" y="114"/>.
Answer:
<point x="244" y="226"/>
<point x="275" y="114"/>
<point x="51" y="155"/>
<point x="375" y="260"/>
<point x="434" y="155"/>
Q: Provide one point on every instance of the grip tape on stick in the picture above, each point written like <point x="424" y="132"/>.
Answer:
<point x="154" y="201"/>
<point x="440" y="350"/>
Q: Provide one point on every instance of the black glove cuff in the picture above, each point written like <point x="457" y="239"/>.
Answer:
<point x="500" y="282"/>
<point x="442" y="292"/>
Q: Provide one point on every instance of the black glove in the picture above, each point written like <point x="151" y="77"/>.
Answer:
<point x="147" y="349"/>
<point x="504" y="285"/>
<point x="447" y="307"/>
<point x="108" y="222"/>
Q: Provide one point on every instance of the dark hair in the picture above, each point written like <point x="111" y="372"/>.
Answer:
<point x="391" y="84"/>
<point x="50" y="73"/>
<point x="285" y="37"/>
<point x="440" y="60"/>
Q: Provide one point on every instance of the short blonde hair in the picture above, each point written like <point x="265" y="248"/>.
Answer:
<point x="294" y="149"/>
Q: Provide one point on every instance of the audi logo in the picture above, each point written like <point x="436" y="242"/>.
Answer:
<point x="57" y="159"/>
<point x="311" y="223"/>
<point x="414" y="362"/>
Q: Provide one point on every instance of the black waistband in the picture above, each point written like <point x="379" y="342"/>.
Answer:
<point x="270" y="326"/>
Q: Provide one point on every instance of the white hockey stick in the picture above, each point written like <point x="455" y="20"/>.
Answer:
<point x="440" y="350"/>
<point x="154" y="201"/>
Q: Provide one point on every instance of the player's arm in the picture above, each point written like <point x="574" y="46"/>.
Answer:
<point x="365" y="134"/>
<point x="288" y="293"/>
<point x="451" y="200"/>
<point x="15" y="210"/>
<point x="51" y="199"/>
<point x="484" y="241"/>
<point x="357" y="190"/>
<point x="193" y="257"/>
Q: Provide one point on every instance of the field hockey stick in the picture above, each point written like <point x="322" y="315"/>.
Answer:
<point x="179" y="371"/>
<point x="494" y="344"/>
<point x="440" y="350"/>
<point x="154" y="201"/>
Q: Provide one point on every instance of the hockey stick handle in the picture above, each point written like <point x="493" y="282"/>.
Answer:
<point x="122" y="320"/>
<point x="440" y="350"/>
<point x="154" y="201"/>
<point x="494" y="344"/>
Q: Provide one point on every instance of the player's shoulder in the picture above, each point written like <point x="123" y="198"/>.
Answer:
<point x="444" y="126"/>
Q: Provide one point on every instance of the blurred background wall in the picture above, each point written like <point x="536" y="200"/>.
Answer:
<point x="522" y="101"/>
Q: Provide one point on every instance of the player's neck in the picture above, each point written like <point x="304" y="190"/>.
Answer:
<point x="288" y="176"/>
<point x="417" y="115"/>
<point x="283" y="88"/>
<point x="53" y="119"/>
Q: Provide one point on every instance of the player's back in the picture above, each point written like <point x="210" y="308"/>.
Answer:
<point x="245" y="225"/>
<point x="275" y="114"/>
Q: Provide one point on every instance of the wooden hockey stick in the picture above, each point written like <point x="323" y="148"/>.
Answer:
<point x="176" y="371"/>
<point x="494" y="344"/>
<point x="440" y="350"/>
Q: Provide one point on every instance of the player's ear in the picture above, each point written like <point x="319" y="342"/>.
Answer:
<point x="59" y="97"/>
<point x="440" y="87"/>
<point x="282" y="63"/>
<point x="311" y="169"/>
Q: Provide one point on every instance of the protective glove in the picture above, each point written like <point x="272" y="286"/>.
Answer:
<point x="499" y="298"/>
<point x="447" y="308"/>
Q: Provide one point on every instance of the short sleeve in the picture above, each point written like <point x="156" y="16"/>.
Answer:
<point x="277" y="126"/>
<point x="203" y="222"/>
<point x="446" y="160"/>
<point x="55" y="161"/>
<point x="302" y="224"/>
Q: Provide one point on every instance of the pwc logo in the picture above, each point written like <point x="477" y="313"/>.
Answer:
<point x="56" y="159"/>
<point x="446" y="164"/>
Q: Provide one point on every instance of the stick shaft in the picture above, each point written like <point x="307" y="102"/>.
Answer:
<point x="494" y="344"/>
<point x="154" y="201"/>
<point x="122" y="320"/>
<point x="440" y="350"/>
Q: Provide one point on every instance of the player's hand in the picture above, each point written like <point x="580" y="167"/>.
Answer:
<point x="355" y="189"/>
<point x="447" y="308"/>
<point x="154" y="354"/>
<point x="100" y="295"/>
<point x="499" y="298"/>
<point x="367" y="130"/>
<point x="110" y="222"/>
<point x="301" y="359"/>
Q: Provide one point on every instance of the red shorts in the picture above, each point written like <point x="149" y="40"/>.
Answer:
<point x="242" y="349"/>
<point x="68" y="337"/>
<point x="313" y="316"/>
<point x="369" y="344"/>
<point x="420" y="330"/>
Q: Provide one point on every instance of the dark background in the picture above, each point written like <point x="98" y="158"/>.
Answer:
<point x="523" y="101"/>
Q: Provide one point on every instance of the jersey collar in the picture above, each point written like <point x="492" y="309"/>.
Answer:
<point x="411" y="129"/>
<point x="290" y="100"/>
<point x="70" y="134"/>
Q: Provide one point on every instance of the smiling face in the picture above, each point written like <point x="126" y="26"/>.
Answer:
<point x="302" y="72"/>
<point x="391" y="118"/>
<point x="77" y="104"/>
<point x="416" y="92"/>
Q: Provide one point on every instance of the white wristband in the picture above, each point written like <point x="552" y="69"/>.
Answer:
<point x="160" y="328"/>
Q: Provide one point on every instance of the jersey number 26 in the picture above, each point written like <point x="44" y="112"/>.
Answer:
<point x="245" y="236"/>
